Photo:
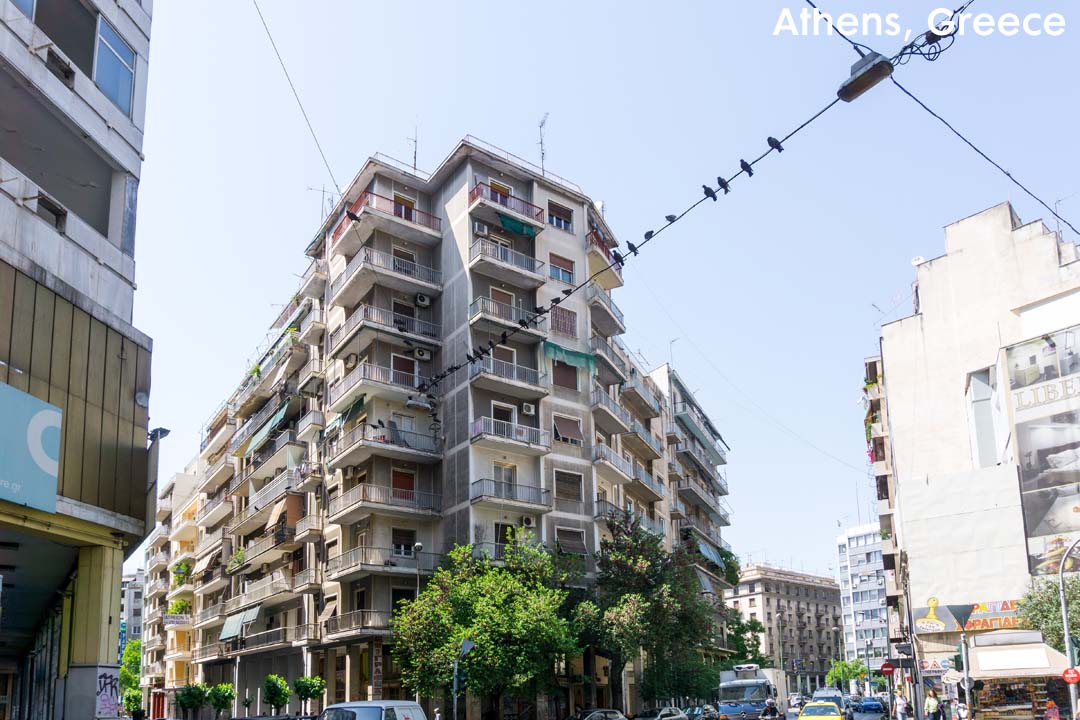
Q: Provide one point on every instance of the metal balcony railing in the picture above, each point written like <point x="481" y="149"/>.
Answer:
<point x="383" y="495"/>
<point x="383" y="436"/>
<point x="509" y="491"/>
<point x="402" y="556"/>
<point x="359" y="620"/>
<point x="643" y="476"/>
<point x="372" y="258"/>
<point x="285" y="344"/>
<point x="259" y="459"/>
<point x="598" y="293"/>
<point x="259" y="591"/>
<point x="593" y="241"/>
<point x="214" y="611"/>
<point x="211" y="429"/>
<point x="503" y="254"/>
<point x="506" y="370"/>
<point x="254" y="423"/>
<point x="384" y="318"/>
<point x="366" y="372"/>
<point x="511" y="431"/>
<point x="390" y="206"/>
<point x="607" y="510"/>
<point x="602" y="399"/>
<point x="507" y="313"/>
<point x="310" y="576"/>
<point x="309" y="522"/>
<point x="209" y="540"/>
<point x="510" y="202"/>
<point x="645" y="434"/>
<point x="603" y="453"/>
<point x="261" y="500"/>
<point x="698" y="417"/>
<point x="646" y="388"/>
<point x="159" y="585"/>
<point x="209" y="651"/>
<point x="269" y="541"/>
<point x="209" y="504"/>
<point x="276" y="636"/>
<point x="159" y="558"/>
<point x="314" y="417"/>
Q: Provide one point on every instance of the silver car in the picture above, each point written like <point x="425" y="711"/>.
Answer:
<point x="374" y="710"/>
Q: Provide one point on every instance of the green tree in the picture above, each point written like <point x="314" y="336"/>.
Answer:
<point x="1041" y="609"/>
<point x="309" y="688"/>
<point x="192" y="698"/>
<point x="510" y="612"/>
<point x="845" y="670"/>
<point x="131" y="665"/>
<point x="276" y="692"/>
<point x="731" y="569"/>
<point x="744" y="641"/>
<point x="221" y="698"/>
<point x="684" y="673"/>
<point x="132" y="700"/>
<point x="180" y="607"/>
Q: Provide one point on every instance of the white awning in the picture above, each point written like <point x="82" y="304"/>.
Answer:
<point x="275" y="514"/>
<point x="1016" y="661"/>
<point x="202" y="563"/>
<point x="331" y="605"/>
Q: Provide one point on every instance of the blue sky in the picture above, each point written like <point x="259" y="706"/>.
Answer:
<point x="770" y="292"/>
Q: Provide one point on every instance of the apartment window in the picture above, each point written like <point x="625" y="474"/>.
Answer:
<point x="564" y="375"/>
<point x="404" y="207"/>
<point x="115" y="71"/>
<point x="500" y="193"/>
<point x="402" y="541"/>
<point x="503" y="413"/>
<point x="568" y="430"/>
<point x="568" y="486"/>
<point x="735" y="604"/>
<point x="561" y="217"/>
<point x="753" y="602"/>
<point x="504" y="473"/>
<point x="562" y="269"/>
<point x="750" y="587"/>
<point x="753" y="616"/>
<point x="564" y="322"/>
<point x="571" y="540"/>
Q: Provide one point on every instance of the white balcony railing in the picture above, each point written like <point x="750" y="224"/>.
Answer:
<point x="383" y="495"/>
<point x="506" y="370"/>
<point x="372" y="258"/>
<point x="507" y="313"/>
<point x="384" y="318"/>
<point x="501" y="253"/>
<point x="511" y="431"/>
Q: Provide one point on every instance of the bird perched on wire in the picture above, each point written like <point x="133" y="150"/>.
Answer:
<point x="746" y="168"/>
<point x="631" y="247"/>
<point x="775" y="144"/>
<point x="723" y="185"/>
<point x="619" y="259"/>
<point x="648" y="235"/>
<point x="709" y="192"/>
<point x="671" y="218"/>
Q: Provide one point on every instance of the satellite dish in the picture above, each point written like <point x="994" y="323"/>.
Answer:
<point x="918" y="260"/>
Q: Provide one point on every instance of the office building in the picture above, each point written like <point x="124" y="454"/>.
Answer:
<point x="861" y="576"/>
<point x="74" y="372"/>
<point x="131" y="608"/>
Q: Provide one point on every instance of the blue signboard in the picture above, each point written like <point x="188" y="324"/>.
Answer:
<point x="30" y="446"/>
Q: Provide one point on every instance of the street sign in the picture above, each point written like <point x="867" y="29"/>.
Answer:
<point x="969" y="684"/>
<point x="887" y="668"/>
<point x="1071" y="676"/>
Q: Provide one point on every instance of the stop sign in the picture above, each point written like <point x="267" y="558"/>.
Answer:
<point x="1071" y="676"/>
<point x="887" y="668"/>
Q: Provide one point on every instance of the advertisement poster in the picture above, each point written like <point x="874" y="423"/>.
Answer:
<point x="1044" y="380"/>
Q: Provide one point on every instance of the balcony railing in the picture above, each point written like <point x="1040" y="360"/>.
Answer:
<point x="606" y="510"/>
<point x="254" y="423"/>
<point x="269" y="541"/>
<point x="259" y="591"/>
<point x="159" y="585"/>
<point x="153" y="613"/>
<point x="259" y="459"/>
<point x="601" y="398"/>
<point x="154" y="642"/>
<point x="496" y="551"/>
<point x="702" y="526"/>
<point x="310" y="576"/>
<point x="506" y="370"/>
<point x="645" y="434"/>
<point x="309" y="522"/>
<point x="383" y="495"/>
<point x="510" y="491"/>
<point x="211" y="429"/>
<point x="314" y="417"/>
<point x="260" y="500"/>
<point x="391" y="207"/>
<point x="510" y="202"/>
<point x="214" y="611"/>
<point x="603" y="453"/>
<point x="209" y="540"/>
<point x="503" y="254"/>
<point x="643" y="476"/>
<point x="372" y="258"/>
<point x="646" y="388"/>
<point x="593" y="241"/>
<point x="400" y="557"/>
<point x="703" y="423"/>
<point x="277" y="636"/>
<point x="598" y="293"/>
<point x="209" y="504"/>
<point x="373" y="373"/>
<point x="507" y="313"/>
<point x="359" y="620"/>
<point x="383" y="436"/>
<point x="209" y="651"/>
<point x="601" y="346"/>
<point x="511" y="431"/>
<point x="385" y="318"/>
<point x="287" y="341"/>
<point x="159" y="558"/>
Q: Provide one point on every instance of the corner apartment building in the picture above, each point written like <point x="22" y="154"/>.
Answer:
<point x="74" y="373"/>
<point x="985" y="492"/>
<point x="332" y="482"/>
<point x="131" y="608"/>
<point x="802" y="618"/>
<point x="863" y="595"/>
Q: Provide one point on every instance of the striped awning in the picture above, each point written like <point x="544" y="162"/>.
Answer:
<point x="231" y="628"/>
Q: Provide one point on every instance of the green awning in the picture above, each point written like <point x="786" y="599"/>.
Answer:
<point x="249" y="615"/>
<point x="710" y="554"/>
<point x="516" y="226"/>
<point x="231" y="628"/>
<point x="706" y="583"/>
<point x="570" y="357"/>
<point x="260" y="435"/>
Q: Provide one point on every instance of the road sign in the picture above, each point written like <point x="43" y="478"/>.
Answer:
<point x="969" y="684"/>
<point x="1071" y="676"/>
<point x="887" y="668"/>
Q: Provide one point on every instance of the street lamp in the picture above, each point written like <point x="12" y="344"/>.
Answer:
<point x="417" y="548"/>
<point x="1065" y="622"/>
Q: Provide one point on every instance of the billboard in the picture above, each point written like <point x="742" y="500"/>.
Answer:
<point x="1044" y="382"/>
<point x="30" y="446"/>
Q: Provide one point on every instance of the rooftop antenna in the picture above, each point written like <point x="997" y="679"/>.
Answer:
<point x="543" y="122"/>
<point x="415" y="140"/>
<point x="1058" y="202"/>
<point x="327" y="199"/>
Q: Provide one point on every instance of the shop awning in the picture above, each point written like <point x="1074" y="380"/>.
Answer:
<point x="570" y="357"/>
<point x="568" y="429"/>
<point x="260" y="435"/>
<point x="328" y="611"/>
<point x="516" y="226"/>
<point x="231" y="628"/>
<point x="275" y="514"/>
<point x="202" y="563"/>
<point x="1016" y="661"/>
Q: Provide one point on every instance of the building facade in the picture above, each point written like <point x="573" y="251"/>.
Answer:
<point x="802" y="619"/>
<point x="861" y="576"/>
<point x="982" y="494"/>
<point x="74" y="372"/>
<point x="333" y="480"/>
<point x="131" y="608"/>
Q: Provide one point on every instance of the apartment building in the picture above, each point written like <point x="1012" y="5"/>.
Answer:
<point x="333" y="480"/>
<point x="131" y="607"/>
<point x="983" y="496"/>
<point x="74" y="372"/>
<point x="802" y="618"/>
<point x="861" y="574"/>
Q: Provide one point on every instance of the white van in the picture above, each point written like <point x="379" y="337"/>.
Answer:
<point x="374" y="710"/>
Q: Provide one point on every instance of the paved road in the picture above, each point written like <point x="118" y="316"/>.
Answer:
<point x="792" y="714"/>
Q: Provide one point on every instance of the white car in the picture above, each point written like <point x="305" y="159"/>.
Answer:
<point x="664" y="713"/>
<point x="374" y="710"/>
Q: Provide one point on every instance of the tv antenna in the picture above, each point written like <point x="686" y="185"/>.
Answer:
<point x="543" y="122"/>
<point x="415" y="140"/>
<point x="328" y="199"/>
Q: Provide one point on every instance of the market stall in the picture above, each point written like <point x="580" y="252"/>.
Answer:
<point x="1019" y="680"/>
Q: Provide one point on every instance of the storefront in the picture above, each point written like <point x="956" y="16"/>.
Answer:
<point x="1018" y="677"/>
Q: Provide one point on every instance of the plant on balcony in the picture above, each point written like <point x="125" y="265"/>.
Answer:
<point x="731" y="567"/>
<point x="237" y="559"/>
<point x="181" y="568"/>
<point x="276" y="692"/>
<point x="309" y="688"/>
<point x="192" y="698"/>
<point x="255" y="371"/>
<point x="221" y="698"/>
<point x="885" y="534"/>
<point x="180" y="607"/>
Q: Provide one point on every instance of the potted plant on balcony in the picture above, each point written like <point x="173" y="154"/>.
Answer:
<point x="309" y="688"/>
<point x="180" y="607"/>
<point x="181" y="571"/>
<point x="276" y="692"/>
<point x="237" y="559"/>
<point x="246" y="702"/>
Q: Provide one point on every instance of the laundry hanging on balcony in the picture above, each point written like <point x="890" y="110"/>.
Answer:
<point x="570" y="357"/>
<point x="260" y="435"/>
<point x="516" y="226"/>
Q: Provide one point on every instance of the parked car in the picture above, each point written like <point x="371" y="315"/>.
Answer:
<point x="373" y="710"/>
<point x="870" y="705"/>
<point x="602" y="714"/>
<point x="664" y="713"/>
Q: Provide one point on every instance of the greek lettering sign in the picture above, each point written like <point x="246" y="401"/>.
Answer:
<point x="30" y="446"/>
<point x="986" y="615"/>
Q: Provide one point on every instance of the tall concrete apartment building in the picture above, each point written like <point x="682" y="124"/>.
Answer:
<point x="802" y="618"/>
<point x="984" y="497"/>
<point x="861" y="574"/>
<point x="331" y="482"/>
<point x="74" y="372"/>
<point x="131" y="608"/>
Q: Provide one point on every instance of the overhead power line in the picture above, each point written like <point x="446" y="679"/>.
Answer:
<point x="297" y="96"/>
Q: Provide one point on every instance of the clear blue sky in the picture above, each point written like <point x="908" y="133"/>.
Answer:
<point x="773" y="287"/>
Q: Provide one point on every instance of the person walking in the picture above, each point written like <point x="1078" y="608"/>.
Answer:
<point x="438" y="714"/>
<point x="932" y="706"/>
<point x="901" y="706"/>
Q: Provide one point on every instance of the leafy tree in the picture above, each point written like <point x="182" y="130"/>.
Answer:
<point x="1041" y="609"/>
<point x="309" y="688"/>
<point x="276" y="692"/>
<point x="732" y="570"/>
<point x="844" y="670"/>
<point x="132" y="700"/>
<point x="744" y="640"/>
<point x="131" y="665"/>
<point x="221" y="698"/>
<point x="191" y="698"/>
<point x="180" y="607"/>
<point x="684" y="673"/>
<point x="510" y="612"/>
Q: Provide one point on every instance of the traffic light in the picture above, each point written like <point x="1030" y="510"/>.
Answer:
<point x="958" y="659"/>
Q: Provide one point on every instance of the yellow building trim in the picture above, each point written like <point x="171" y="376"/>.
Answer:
<point x="96" y="623"/>
<point x="58" y="527"/>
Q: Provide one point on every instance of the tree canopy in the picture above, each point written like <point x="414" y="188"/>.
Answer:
<point x="131" y="665"/>
<point x="845" y="670"/>
<point x="1041" y="610"/>
<point x="744" y="641"/>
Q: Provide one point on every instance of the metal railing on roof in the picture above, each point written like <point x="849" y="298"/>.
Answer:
<point x="523" y="164"/>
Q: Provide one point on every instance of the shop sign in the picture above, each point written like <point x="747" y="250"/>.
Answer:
<point x="30" y="446"/>
<point x="985" y="615"/>
<point x="935" y="667"/>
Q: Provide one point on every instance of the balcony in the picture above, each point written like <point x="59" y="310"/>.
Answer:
<point x="370" y="267"/>
<point x="600" y="260"/>
<point x="211" y="540"/>
<point x="184" y="529"/>
<point x="510" y="437"/>
<point x="703" y="528"/>
<point x="676" y="508"/>
<point x="606" y="315"/>
<point x="157" y="587"/>
<point x="157" y="561"/>
<point x="285" y="451"/>
<point x="697" y="493"/>
<point x="309" y="528"/>
<point x="282" y="360"/>
<point x="261" y="503"/>
<point x="606" y="512"/>
<point x="492" y="206"/>
<point x="177" y="649"/>
<point x="608" y="415"/>
<point x="271" y="590"/>
<point x="366" y="498"/>
<point x="154" y="669"/>
<point x="689" y="452"/>
<point x="642" y="395"/>
<point x="371" y="212"/>
<point x="217" y="474"/>
<point x="497" y="261"/>
<point x="643" y="484"/>
<point x="159" y="535"/>
<point x="311" y="373"/>
<point x="211" y="616"/>
<point x="153" y="613"/>
<point x="215" y="437"/>
<point x="368" y="322"/>
<point x="239" y="443"/>
<point x="153" y="642"/>
<point x="611" y="466"/>
<point x="308" y="581"/>
<point x="360" y="561"/>
<point x="611" y="368"/>
<point x="506" y="378"/>
<point x="363" y="441"/>
<point x="209" y="651"/>
<point x="372" y="381"/>
<point x="311" y="474"/>
<point x="214" y="509"/>
<point x="701" y="428"/>
<point x="266" y="549"/>
<point x="642" y="441"/>
<point x="313" y="284"/>
<point x="176" y="621"/>
<point x="313" y="325"/>
<point x="211" y="580"/>
<point x="357" y="622"/>
<point x="504" y="495"/>
<point x="494" y="317"/>
<point x="279" y="637"/>
<point x="310" y="426"/>
<point x="182" y="585"/>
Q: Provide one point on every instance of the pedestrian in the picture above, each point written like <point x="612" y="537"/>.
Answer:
<point x="932" y="706"/>
<point x="901" y="706"/>
<point x="438" y="714"/>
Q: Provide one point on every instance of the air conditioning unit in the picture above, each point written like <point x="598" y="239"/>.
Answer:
<point x="528" y="409"/>
<point x="422" y="300"/>
<point x="480" y="228"/>
<point x="421" y="353"/>
<point x="350" y="361"/>
<point x="528" y="521"/>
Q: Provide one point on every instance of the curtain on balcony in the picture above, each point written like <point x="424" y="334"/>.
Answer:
<point x="516" y="226"/>
<point x="260" y="435"/>
<point x="570" y="357"/>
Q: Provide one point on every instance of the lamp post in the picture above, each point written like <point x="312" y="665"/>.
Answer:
<point x="417" y="548"/>
<point x="869" y="676"/>
<point x="1065" y="623"/>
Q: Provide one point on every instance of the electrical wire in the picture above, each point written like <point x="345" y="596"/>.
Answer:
<point x="297" y="96"/>
<point x="983" y="155"/>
